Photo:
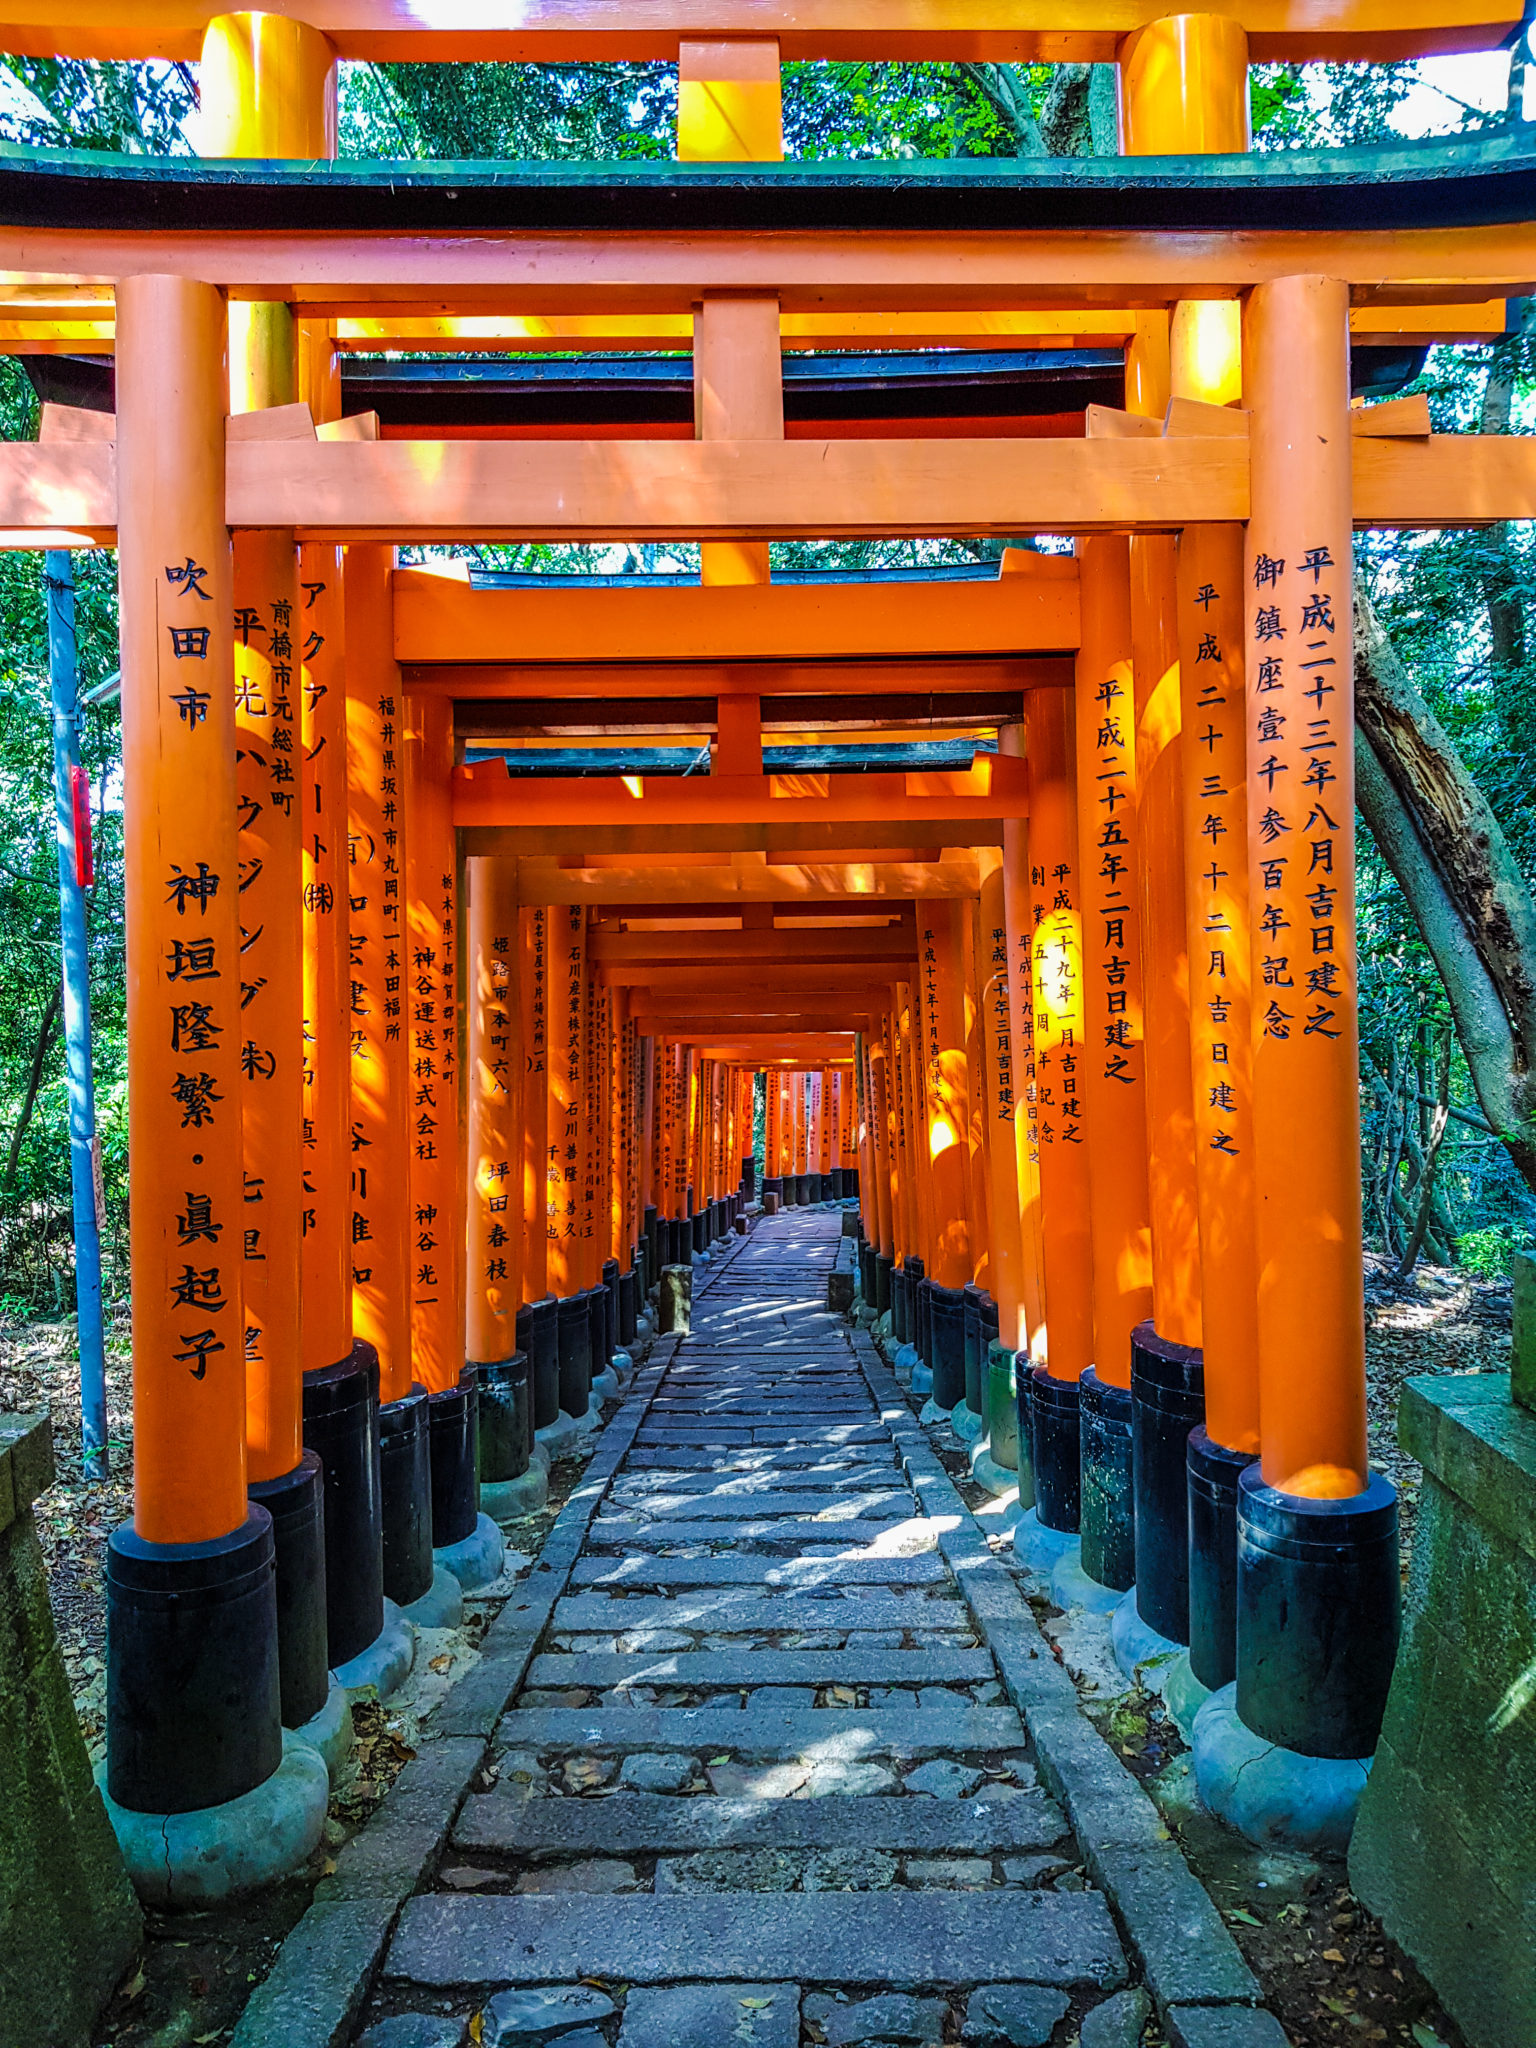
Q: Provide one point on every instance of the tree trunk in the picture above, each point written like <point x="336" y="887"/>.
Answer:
<point x="34" y="1083"/>
<point x="1455" y="868"/>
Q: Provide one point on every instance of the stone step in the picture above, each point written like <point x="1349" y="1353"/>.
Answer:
<point x="833" y="1436"/>
<point x="864" y="1505"/>
<point x="759" y="1458"/>
<point x="748" y="1609"/>
<point x="795" y="1573"/>
<point x="763" y="1667"/>
<point x="635" y="1533"/>
<point x="748" y="1487"/>
<point x="766" y="1734"/>
<point x="504" y="1822"/>
<point x="896" y="1940"/>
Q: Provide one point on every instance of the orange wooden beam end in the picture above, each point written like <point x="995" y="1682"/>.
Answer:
<point x="933" y="31"/>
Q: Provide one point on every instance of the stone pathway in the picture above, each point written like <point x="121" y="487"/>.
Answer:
<point x="763" y="1777"/>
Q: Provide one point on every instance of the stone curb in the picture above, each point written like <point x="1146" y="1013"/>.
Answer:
<point x="326" y="1966"/>
<point x="1187" y="1953"/>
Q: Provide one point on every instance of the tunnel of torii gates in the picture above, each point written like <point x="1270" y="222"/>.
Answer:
<point x="437" y="1059"/>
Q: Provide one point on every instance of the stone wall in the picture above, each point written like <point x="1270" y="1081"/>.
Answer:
<point x="69" y="1922"/>
<point x="1444" y="1850"/>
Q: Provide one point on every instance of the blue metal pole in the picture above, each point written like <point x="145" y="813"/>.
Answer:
<point x="59" y="589"/>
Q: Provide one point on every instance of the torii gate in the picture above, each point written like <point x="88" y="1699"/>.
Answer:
<point x="1135" y="919"/>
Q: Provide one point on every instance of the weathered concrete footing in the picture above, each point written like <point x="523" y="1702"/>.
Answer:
<point x="507" y="1500"/>
<point x="330" y="1731"/>
<point x="442" y="1605"/>
<point x="1272" y="1795"/>
<point x="1141" y="1653"/>
<point x="386" y="1663"/>
<point x="477" y="1559"/>
<point x="222" y="1852"/>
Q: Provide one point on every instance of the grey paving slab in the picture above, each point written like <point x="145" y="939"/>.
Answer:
<point x="896" y="1940"/>
<point x="750" y="1608"/>
<point x="733" y="1507"/>
<point x="726" y="1668"/>
<point x="637" y="1824"/>
<point x="689" y="2015"/>
<point x="766" y="1734"/>
<point x="749" y="1458"/>
<point x="853" y="1535"/>
<point x="927" y="1569"/>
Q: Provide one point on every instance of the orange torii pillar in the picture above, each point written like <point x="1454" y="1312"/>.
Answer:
<point x="510" y="1482"/>
<point x="969" y="1421"/>
<point x="1054" y="920"/>
<point x="467" y="1544"/>
<point x="999" y="1103"/>
<point x="909" y="1303"/>
<point x="604" y="1173"/>
<point x="746" y="1133"/>
<point x="1113" y="1068"/>
<point x="382" y="1113"/>
<point x="864" y="1136"/>
<point x="946" y="1081"/>
<point x="566" y="1150"/>
<point x="773" y="1140"/>
<point x="1017" y="919"/>
<point x="268" y="90"/>
<point x="881" y="1252"/>
<point x="339" y="1397"/>
<point x="1184" y="90"/>
<point x="193" y="1716"/>
<point x="537" y="1315"/>
<point x="1318" y="1584"/>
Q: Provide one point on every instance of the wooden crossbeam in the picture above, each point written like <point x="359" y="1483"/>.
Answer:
<point x="345" y="275"/>
<point x="586" y="31"/>
<point x="833" y="883"/>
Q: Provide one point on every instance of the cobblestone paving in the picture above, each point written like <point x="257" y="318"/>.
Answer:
<point x="761" y="1782"/>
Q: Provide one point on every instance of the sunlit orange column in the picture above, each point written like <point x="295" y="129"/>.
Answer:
<point x="773" y="1109"/>
<point x="1018" y="936"/>
<point x="533" y="1008"/>
<point x="947" y="1082"/>
<point x="999" y="1105"/>
<point x="381" y="1083"/>
<point x="432" y="985"/>
<point x="1211" y="642"/>
<point x="186" y="1200"/>
<point x="567" y="1078"/>
<point x="1301" y="864"/>
<point x="1113" y="1074"/>
<point x="880" y="1128"/>
<point x="320" y="646"/>
<point x="267" y="89"/>
<point x="1056" y="920"/>
<point x="494" y="1071"/>
<point x="730" y="110"/>
<point x="978" y="1170"/>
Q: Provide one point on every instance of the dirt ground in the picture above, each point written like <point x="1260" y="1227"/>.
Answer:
<point x="1326" y="1968"/>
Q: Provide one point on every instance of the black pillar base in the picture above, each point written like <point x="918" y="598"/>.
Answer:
<point x="296" y="1503"/>
<point x="1053" y="1413"/>
<point x="946" y="1318"/>
<point x="803" y="1189"/>
<point x="629" y="1293"/>
<point x="1107" y="1516"/>
<point x="193" y="1692"/>
<point x="1168" y="1399"/>
<point x="882" y="1264"/>
<point x="971" y="1297"/>
<point x="341" y="1426"/>
<point x="597" y="1327"/>
<point x="900" y="1304"/>
<point x="573" y="1322"/>
<point x="505" y="1408"/>
<point x="453" y="1428"/>
<point x="405" y="1465"/>
<point x="922" y="1333"/>
<point x="748" y="1175"/>
<point x="538" y="1334"/>
<point x="1213" y="1475"/>
<point x="1023" y="1379"/>
<point x="651" y="1228"/>
<point x="611" y="1278"/>
<point x="1318" y="1615"/>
